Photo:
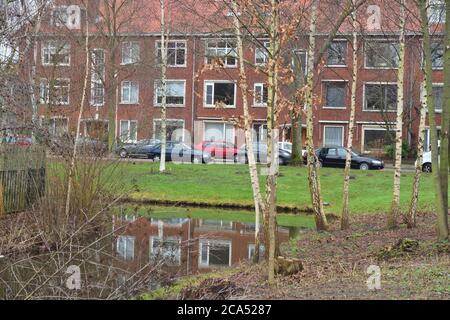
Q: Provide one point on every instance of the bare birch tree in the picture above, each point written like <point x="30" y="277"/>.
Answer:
<point x="345" y="219"/>
<point x="442" y="223"/>
<point x="163" y="87"/>
<point x="395" y="208"/>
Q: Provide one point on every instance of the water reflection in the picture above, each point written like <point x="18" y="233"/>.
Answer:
<point x="185" y="246"/>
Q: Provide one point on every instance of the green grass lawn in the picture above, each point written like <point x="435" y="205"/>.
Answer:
<point x="370" y="191"/>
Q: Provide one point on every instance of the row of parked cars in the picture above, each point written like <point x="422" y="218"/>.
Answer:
<point x="209" y="150"/>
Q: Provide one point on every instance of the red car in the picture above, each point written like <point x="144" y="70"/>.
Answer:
<point x="219" y="149"/>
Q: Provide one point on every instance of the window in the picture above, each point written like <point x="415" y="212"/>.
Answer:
<point x="223" y="93"/>
<point x="55" y="92"/>
<point x="381" y="54"/>
<point x="128" y="131"/>
<point x="380" y="97"/>
<point x="335" y="93"/>
<point x="130" y="92"/>
<point x="261" y="55"/>
<point x="176" y="53"/>
<point x="130" y="52"/>
<point x="337" y="53"/>
<point x="260" y="95"/>
<point x="167" y="249"/>
<point x="125" y="247"/>
<point x="259" y="132"/>
<point x="175" y="92"/>
<point x="438" y="92"/>
<point x="251" y="251"/>
<point x="58" y="126"/>
<point x="437" y="55"/>
<point x="375" y="139"/>
<point x="174" y="130"/>
<point x="97" y="77"/>
<point x="427" y="140"/>
<point x="215" y="253"/>
<point x="59" y="16"/>
<point x="218" y="131"/>
<point x="300" y="62"/>
<point x="436" y="11"/>
<point x="225" y="50"/>
<point x="333" y="136"/>
<point x="56" y="53"/>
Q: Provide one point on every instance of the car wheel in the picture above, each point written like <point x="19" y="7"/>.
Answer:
<point x="123" y="153"/>
<point x="427" y="168"/>
<point x="243" y="159"/>
<point x="235" y="158"/>
<point x="281" y="161"/>
<point x="364" y="166"/>
<point x="319" y="164"/>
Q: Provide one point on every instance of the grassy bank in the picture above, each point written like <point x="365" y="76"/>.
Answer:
<point x="370" y="192"/>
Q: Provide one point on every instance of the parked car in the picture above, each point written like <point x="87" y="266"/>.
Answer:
<point x="91" y="146"/>
<point x="336" y="157"/>
<point x="426" y="162"/>
<point x="260" y="152"/>
<point x="18" y="140"/>
<point x="135" y="150"/>
<point x="178" y="151"/>
<point x="288" y="147"/>
<point x="219" y="149"/>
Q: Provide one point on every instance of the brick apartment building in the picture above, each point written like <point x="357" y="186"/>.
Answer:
<point x="193" y="89"/>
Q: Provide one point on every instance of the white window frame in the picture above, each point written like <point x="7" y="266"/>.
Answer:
<point x="56" y="22"/>
<point x="125" y="257"/>
<point x="434" y="5"/>
<point x="162" y="239"/>
<point x="363" y="135"/>
<point x="333" y="126"/>
<point x="158" y="43"/>
<point x="224" y="123"/>
<point x="365" y="53"/>
<point x="128" y="140"/>
<point x="97" y="79"/>
<point x="225" y="64"/>
<point x="443" y="62"/>
<point x="441" y="85"/>
<point x="346" y="55"/>
<point x="129" y="102"/>
<point x="305" y="53"/>
<point x="263" y="51"/>
<point x="52" y="46"/>
<point x="325" y="91"/>
<point x="130" y="45"/>
<point x="169" y="105"/>
<point x="364" y="96"/>
<point x="212" y="82"/>
<point x="53" y="124"/>
<point x="167" y="121"/>
<point x="208" y="243"/>
<point x="256" y="104"/>
<point x="47" y="91"/>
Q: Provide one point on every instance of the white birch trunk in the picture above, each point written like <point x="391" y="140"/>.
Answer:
<point x="345" y="220"/>
<point x="80" y="115"/>
<point x="313" y="175"/>
<point x="243" y="85"/>
<point x="163" y="88"/>
<point x="395" y="209"/>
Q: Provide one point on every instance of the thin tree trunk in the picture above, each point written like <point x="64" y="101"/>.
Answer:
<point x="442" y="223"/>
<point x="80" y="115"/>
<point x="296" y="127"/>
<point x="395" y="208"/>
<point x="345" y="219"/>
<point x="313" y="175"/>
<point x="272" y="136"/>
<point x="253" y="170"/>
<point x="163" y="89"/>
<point x="410" y="217"/>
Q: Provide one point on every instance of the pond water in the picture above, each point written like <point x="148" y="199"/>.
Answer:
<point x="189" y="241"/>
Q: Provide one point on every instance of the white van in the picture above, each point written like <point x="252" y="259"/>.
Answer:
<point x="426" y="162"/>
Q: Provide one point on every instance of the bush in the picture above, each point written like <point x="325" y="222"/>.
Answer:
<point x="390" y="150"/>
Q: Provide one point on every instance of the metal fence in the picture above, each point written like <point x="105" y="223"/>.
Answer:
<point x="22" y="177"/>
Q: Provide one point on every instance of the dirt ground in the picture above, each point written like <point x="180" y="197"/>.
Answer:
<point x="412" y="265"/>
